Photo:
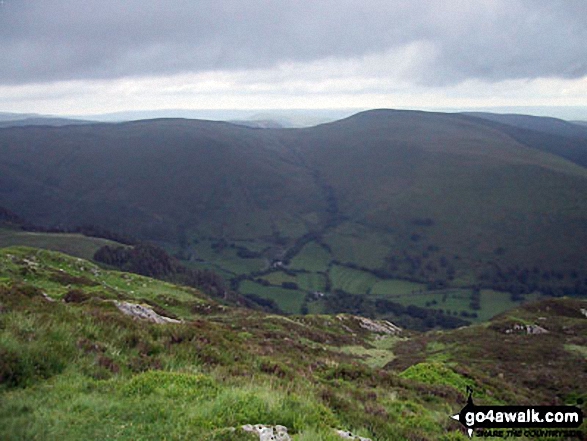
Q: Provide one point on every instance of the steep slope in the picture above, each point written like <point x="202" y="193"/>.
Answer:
<point x="75" y="365"/>
<point x="61" y="333"/>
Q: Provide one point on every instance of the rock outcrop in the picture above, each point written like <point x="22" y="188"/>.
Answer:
<point x="268" y="433"/>
<point x="378" y="326"/>
<point x="348" y="435"/>
<point x="354" y="323"/>
<point x="526" y="329"/>
<point x="143" y="312"/>
<point x="279" y="433"/>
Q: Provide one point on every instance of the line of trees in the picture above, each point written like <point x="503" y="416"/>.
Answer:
<point x="520" y="281"/>
<point x="412" y="317"/>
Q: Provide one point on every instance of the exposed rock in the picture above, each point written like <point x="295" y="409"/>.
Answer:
<point x="527" y="329"/>
<point x="95" y="272"/>
<point x="46" y="297"/>
<point x="348" y="435"/>
<point x="345" y="327"/>
<point x="535" y="329"/>
<point x="31" y="263"/>
<point x="143" y="312"/>
<point x="268" y="433"/>
<point x="379" y="326"/>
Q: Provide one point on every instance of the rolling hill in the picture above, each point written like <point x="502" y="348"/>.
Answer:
<point x="33" y="119"/>
<point x="444" y="200"/>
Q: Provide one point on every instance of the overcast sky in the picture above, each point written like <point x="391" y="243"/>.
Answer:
<point x="84" y="57"/>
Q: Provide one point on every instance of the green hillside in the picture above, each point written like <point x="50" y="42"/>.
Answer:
<point x="444" y="201"/>
<point x="74" y="366"/>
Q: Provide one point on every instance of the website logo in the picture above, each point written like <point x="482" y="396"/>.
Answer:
<point x="512" y="421"/>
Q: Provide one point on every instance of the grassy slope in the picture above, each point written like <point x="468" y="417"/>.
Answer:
<point x="82" y="370"/>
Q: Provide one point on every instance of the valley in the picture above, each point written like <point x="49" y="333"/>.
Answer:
<point x="174" y="279"/>
<point x="460" y="216"/>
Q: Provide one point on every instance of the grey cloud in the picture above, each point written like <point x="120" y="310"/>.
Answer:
<point x="52" y="40"/>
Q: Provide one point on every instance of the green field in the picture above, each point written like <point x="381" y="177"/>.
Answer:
<point x="351" y="280"/>
<point x="495" y="302"/>
<point x="312" y="257"/>
<point x="226" y="258"/>
<point x="305" y="281"/>
<point x="455" y="301"/>
<point x="288" y="300"/>
<point x="311" y="281"/>
<point x="396" y="287"/>
<point x="279" y="277"/>
<point x="449" y="299"/>
<point x="226" y="262"/>
<point x="316" y="307"/>
<point x="355" y="243"/>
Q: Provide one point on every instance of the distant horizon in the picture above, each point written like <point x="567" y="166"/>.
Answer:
<point x="499" y="56"/>
<point x="567" y="113"/>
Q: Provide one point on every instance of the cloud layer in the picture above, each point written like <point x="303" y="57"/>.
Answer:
<point x="421" y="42"/>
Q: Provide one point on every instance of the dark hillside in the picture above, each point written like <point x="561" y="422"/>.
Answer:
<point x="553" y="126"/>
<point x="153" y="178"/>
<point x="562" y="138"/>
<point x="477" y="189"/>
